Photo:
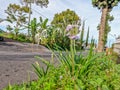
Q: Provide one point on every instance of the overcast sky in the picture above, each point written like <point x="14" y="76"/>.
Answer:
<point x="83" y="8"/>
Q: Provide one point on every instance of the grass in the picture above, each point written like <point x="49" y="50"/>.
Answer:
<point x="75" y="72"/>
<point x="20" y="37"/>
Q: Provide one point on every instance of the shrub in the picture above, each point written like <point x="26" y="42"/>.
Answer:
<point x="22" y="38"/>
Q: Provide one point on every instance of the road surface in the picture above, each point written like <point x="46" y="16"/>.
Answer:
<point x="16" y="61"/>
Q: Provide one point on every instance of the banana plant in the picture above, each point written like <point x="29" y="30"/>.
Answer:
<point x="43" y="24"/>
<point x="33" y="29"/>
<point x="37" y="28"/>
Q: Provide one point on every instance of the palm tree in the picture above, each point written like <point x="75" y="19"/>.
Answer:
<point x="106" y="6"/>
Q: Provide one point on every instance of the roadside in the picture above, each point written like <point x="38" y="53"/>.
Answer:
<point x="16" y="61"/>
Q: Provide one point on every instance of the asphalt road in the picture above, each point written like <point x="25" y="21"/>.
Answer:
<point x="16" y="61"/>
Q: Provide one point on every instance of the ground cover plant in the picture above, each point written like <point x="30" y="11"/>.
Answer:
<point x="75" y="72"/>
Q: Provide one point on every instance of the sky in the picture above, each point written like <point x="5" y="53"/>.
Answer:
<point x="83" y="8"/>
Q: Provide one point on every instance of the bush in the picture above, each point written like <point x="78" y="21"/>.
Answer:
<point x="57" y="38"/>
<point x="22" y="38"/>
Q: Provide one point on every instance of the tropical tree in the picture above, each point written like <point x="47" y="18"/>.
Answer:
<point x="9" y="28"/>
<point x="17" y="16"/>
<point x="28" y="3"/>
<point x="43" y="24"/>
<point x="109" y="18"/>
<point x="106" y="6"/>
<point x="38" y="30"/>
<point x="42" y="30"/>
<point x="33" y="29"/>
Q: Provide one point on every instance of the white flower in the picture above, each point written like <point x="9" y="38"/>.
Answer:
<point x="61" y="77"/>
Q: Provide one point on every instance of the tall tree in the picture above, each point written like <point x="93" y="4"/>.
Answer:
<point x="63" y="19"/>
<point x="42" y="3"/>
<point x="68" y="23"/>
<point x="9" y="28"/>
<point x="82" y="34"/>
<point x="109" y="18"/>
<point x="17" y="16"/>
<point x="87" y="37"/>
<point x="105" y="6"/>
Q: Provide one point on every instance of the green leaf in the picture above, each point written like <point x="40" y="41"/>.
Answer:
<point x="99" y="81"/>
<point x="41" y="20"/>
<point x="105" y="87"/>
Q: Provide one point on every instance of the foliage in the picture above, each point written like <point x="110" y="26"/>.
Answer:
<point x="1" y="31"/>
<point x="56" y="38"/>
<point x="106" y="6"/>
<point x="65" y="18"/>
<point x="43" y="24"/>
<point x="107" y="27"/>
<point x="22" y="38"/>
<point x="75" y="72"/>
<point x="41" y="35"/>
<point x="8" y="35"/>
<point x="29" y="3"/>
<point x="105" y="3"/>
<point x="87" y="37"/>
<point x="9" y="28"/>
<point x="109" y="18"/>
<point x="82" y="34"/>
<point x="33" y="29"/>
<point x="16" y="15"/>
<point x="42" y="3"/>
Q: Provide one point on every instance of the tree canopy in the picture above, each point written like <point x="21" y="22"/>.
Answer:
<point x="106" y="6"/>
<point x="105" y="3"/>
<point x="65" y="18"/>
<point x="16" y="15"/>
<point x="42" y="3"/>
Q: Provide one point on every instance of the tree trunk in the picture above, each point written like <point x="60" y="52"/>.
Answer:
<point x="102" y="30"/>
<point x="29" y="18"/>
